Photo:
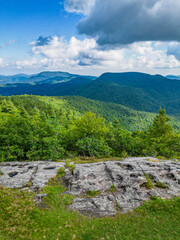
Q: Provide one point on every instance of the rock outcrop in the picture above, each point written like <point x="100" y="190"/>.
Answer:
<point x="100" y="189"/>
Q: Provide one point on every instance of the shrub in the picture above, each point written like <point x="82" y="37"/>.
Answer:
<point x="92" y="147"/>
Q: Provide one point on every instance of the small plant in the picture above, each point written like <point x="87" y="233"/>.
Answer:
<point x="29" y="184"/>
<point x="70" y="166"/>
<point x="160" y="185"/>
<point x="61" y="172"/>
<point x="118" y="205"/>
<point x="154" y="198"/>
<point x="92" y="193"/>
<point x="124" y="154"/>
<point x="148" y="184"/>
<point x="1" y="173"/>
<point x="112" y="188"/>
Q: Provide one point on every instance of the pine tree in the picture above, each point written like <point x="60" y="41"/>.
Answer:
<point x="161" y="126"/>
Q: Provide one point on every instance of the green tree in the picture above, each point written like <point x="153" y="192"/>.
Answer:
<point x="160" y="138"/>
<point x="89" y="125"/>
<point x="161" y="125"/>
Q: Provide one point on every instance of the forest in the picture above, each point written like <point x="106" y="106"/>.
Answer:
<point x="47" y="128"/>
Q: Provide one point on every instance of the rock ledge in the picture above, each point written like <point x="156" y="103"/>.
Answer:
<point x="121" y="184"/>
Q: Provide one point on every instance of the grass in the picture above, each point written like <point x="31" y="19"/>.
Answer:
<point x="61" y="172"/>
<point x="20" y="219"/>
<point x="112" y="188"/>
<point x="92" y="193"/>
<point x="83" y="160"/>
<point x="70" y="166"/>
<point x="148" y="184"/>
<point x="160" y="185"/>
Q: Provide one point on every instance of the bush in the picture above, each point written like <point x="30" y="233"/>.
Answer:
<point x="92" y="147"/>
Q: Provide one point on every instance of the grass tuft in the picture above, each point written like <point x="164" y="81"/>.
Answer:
<point x="112" y="188"/>
<point x="148" y="184"/>
<point x="160" y="185"/>
<point x="92" y="193"/>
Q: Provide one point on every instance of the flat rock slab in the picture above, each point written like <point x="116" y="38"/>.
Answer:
<point x="120" y="185"/>
<point x="23" y="174"/>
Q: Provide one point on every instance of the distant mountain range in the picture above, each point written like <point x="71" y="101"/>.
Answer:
<point x="138" y="91"/>
<point x="173" y="77"/>
<point x="13" y="79"/>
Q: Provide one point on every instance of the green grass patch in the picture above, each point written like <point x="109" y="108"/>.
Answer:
<point x="20" y="219"/>
<point x="92" y="193"/>
<point x="112" y="188"/>
<point x="83" y="160"/>
<point x="61" y="172"/>
<point x="160" y="185"/>
<point x="148" y="184"/>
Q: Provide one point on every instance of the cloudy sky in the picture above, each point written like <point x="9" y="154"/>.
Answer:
<point x="90" y="36"/>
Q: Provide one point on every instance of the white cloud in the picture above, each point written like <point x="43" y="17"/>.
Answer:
<point x="27" y="63"/>
<point x="152" y="58"/>
<point x="79" y="6"/>
<point x="174" y="49"/>
<point x="3" y="63"/>
<point x="76" y="52"/>
<point x="85" y="56"/>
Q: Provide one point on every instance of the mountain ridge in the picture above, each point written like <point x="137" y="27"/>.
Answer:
<point x="138" y="91"/>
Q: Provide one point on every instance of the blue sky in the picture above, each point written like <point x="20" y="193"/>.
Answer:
<point x="89" y="37"/>
<point x="24" y="21"/>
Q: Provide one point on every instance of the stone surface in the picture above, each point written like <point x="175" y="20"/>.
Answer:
<point x="120" y="184"/>
<point x="28" y="174"/>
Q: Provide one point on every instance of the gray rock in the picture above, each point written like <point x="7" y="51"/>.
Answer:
<point x="34" y="174"/>
<point x="127" y="178"/>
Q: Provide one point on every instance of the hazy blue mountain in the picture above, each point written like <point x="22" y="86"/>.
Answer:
<point x="13" y="79"/>
<point x="53" y="77"/>
<point x="173" y="77"/>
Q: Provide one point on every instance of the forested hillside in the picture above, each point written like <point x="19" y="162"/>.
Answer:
<point x="130" y="119"/>
<point x="138" y="91"/>
<point x="44" y="128"/>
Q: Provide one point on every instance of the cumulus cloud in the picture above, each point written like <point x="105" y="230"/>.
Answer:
<point x="127" y="21"/>
<point x="79" y="6"/>
<point x="148" y="56"/>
<point x="174" y="49"/>
<point x="86" y="56"/>
<point x="1" y="61"/>
<point x="75" y="52"/>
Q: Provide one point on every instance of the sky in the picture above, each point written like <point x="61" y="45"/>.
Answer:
<point x="90" y="36"/>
